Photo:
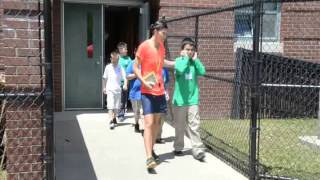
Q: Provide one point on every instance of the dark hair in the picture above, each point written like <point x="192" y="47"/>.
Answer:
<point x="114" y="52"/>
<point x="187" y="40"/>
<point x="160" y="24"/>
<point x="121" y="45"/>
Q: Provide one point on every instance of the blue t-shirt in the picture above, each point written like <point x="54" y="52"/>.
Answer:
<point x="135" y="84"/>
<point x="165" y="76"/>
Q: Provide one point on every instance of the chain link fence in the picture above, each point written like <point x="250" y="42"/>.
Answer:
<point x="259" y="101"/>
<point x="26" y="111"/>
<point x="289" y="90"/>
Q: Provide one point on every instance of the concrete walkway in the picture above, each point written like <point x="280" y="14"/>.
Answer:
<point x="86" y="149"/>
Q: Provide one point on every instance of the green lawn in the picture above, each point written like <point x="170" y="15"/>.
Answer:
<point x="280" y="148"/>
<point x="2" y="175"/>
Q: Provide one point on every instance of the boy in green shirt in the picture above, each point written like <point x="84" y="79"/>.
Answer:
<point x="124" y="62"/>
<point x="186" y="99"/>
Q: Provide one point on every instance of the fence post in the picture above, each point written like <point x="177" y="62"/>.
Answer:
<point x="318" y="124"/>
<point x="196" y="32"/>
<point x="48" y="97"/>
<point x="255" y="89"/>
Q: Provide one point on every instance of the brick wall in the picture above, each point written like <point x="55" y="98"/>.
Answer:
<point x="1" y="45"/>
<point x="19" y="53"/>
<point x="300" y="30"/>
<point x="215" y="48"/>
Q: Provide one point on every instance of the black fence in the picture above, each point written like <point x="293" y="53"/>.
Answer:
<point x="259" y="103"/>
<point x="26" y="124"/>
<point x="289" y="87"/>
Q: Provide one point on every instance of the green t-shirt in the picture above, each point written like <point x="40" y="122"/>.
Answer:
<point x="124" y="62"/>
<point x="186" y="90"/>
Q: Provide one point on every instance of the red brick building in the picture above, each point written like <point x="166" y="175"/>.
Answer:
<point x="293" y="31"/>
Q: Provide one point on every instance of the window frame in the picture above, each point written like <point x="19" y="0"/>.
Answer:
<point x="249" y="12"/>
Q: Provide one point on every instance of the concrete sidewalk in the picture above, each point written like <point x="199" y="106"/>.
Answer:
<point x="86" y="149"/>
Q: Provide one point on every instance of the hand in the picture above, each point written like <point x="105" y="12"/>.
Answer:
<point x="104" y="91"/>
<point x="149" y="85"/>
<point x="167" y="96"/>
<point x="183" y="53"/>
<point x="195" y="56"/>
<point x="125" y="87"/>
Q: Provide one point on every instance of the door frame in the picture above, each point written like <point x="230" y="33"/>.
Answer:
<point x="103" y="4"/>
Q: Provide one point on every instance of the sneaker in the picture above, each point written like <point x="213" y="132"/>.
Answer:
<point x="178" y="153"/>
<point x="121" y="118"/>
<point x="160" y="141"/>
<point x="151" y="163"/>
<point x="111" y="125"/>
<point x="155" y="156"/>
<point x="200" y="156"/>
<point x="136" y="128"/>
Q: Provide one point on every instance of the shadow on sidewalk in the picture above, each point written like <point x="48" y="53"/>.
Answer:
<point x="72" y="160"/>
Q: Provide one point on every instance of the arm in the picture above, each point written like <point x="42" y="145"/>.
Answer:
<point x="125" y="81"/>
<point x="181" y="65"/>
<point x="104" y="81"/>
<point x="200" y="69"/>
<point x="130" y="73"/>
<point x="137" y="72"/>
<point x="168" y="64"/>
<point x="131" y="76"/>
<point x="104" y="86"/>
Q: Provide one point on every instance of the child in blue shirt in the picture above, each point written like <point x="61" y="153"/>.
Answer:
<point x="134" y="95"/>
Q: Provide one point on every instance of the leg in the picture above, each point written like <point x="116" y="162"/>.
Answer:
<point x="136" y="105"/>
<point x="151" y="125"/>
<point x="152" y="115"/>
<point x="180" y="117"/>
<point x="159" y="139"/>
<point x="123" y="104"/>
<point x="194" y="133"/>
<point x="136" y="110"/>
<point x="111" y="106"/>
<point x="157" y="127"/>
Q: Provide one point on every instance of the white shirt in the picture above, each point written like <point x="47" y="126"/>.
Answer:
<point x="113" y="76"/>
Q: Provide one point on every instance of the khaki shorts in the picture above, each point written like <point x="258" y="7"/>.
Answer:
<point x="113" y="100"/>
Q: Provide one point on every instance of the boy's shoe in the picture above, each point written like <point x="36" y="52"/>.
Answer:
<point x="136" y="128"/>
<point x="121" y="118"/>
<point x="151" y="163"/>
<point x="160" y="141"/>
<point x="178" y="153"/>
<point x="155" y="156"/>
<point x="200" y="156"/>
<point x="112" y="125"/>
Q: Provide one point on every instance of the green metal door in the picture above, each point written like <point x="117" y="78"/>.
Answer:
<point x="83" y="61"/>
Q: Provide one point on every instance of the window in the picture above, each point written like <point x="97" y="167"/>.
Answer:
<point x="270" y="25"/>
<point x="90" y="35"/>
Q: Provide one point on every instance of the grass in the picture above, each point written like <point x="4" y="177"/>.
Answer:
<point x="280" y="148"/>
<point x="2" y="175"/>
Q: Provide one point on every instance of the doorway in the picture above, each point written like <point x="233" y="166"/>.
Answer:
<point x="121" y="25"/>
